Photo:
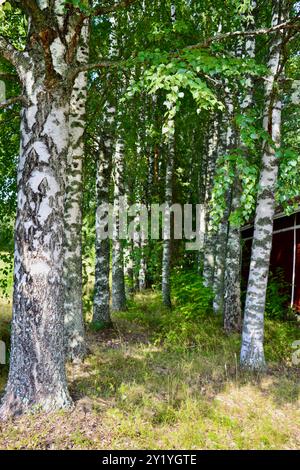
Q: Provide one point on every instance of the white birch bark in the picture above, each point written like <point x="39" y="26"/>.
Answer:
<point x="221" y="238"/>
<point x="129" y="268"/>
<point x="219" y="261"/>
<point x="252" y="351"/>
<point x="37" y="378"/>
<point x="74" y="323"/>
<point x="232" y="282"/>
<point x="101" y="310"/>
<point x="209" y="239"/>
<point x="166" y="257"/>
<point x="118" y="281"/>
<point x="143" y="266"/>
<point x="142" y="197"/>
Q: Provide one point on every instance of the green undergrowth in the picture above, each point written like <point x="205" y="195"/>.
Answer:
<point x="169" y="379"/>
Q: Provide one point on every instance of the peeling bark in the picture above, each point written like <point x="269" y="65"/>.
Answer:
<point x="37" y="375"/>
<point x="37" y="379"/>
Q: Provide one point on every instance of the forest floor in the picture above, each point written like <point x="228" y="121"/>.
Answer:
<point x="151" y="383"/>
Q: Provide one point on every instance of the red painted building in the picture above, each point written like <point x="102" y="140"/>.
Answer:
<point x="285" y="252"/>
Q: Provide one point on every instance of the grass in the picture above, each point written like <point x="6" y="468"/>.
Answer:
<point x="158" y="381"/>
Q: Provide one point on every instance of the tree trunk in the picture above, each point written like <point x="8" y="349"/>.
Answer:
<point x="219" y="261"/>
<point x="232" y="281"/>
<point x="136" y="254"/>
<point x="74" y="325"/>
<point x="37" y="378"/>
<point x="252" y="351"/>
<point x="166" y="258"/>
<point x="101" y="313"/>
<point x="232" y="286"/>
<point x="209" y="239"/>
<point x="143" y="266"/>
<point x="118" y="281"/>
<point x="128" y="268"/>
<point x="221" y="237"/>
<point x="37" y="373"/>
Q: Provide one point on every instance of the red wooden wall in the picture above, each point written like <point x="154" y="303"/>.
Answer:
<point x="282" y="253"/>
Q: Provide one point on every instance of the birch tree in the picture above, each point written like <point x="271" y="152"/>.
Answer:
<point x="118" y="280"/>
<point x="166" y="257"/>
<point x="101" y="310"/>
<point x="74" y="324"/>
<point x="252" y="351"/>
<point x="47" y="68"/>
<point x="232" y="282"/>
<point x="209" y="247"/>
<point x="225" y="146"/>
<point x="37" y="373"/>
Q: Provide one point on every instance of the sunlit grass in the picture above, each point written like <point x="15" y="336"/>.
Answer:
<point x="143" y="387"/>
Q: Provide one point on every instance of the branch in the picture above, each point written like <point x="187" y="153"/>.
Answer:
<point x="31" y="8"/>
<point x="14" y="100"/>
<point x="100" y="65"/>
<point x="291" y="24"/>
<point x="10" y="53"/>
<point x="111" y="8"/>
<point x="8" y="76"/>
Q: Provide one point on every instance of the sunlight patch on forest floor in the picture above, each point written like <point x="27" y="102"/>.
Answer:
<point x="138" y="391"/>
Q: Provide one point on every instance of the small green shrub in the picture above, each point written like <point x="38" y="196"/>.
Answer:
<point x="278" y="296"/>
<point x="279" y="337"/>
<point x="192" y="298"/>
<point x="99" y="325"/>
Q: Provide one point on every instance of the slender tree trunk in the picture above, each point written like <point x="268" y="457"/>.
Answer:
<point x="219" y="262"/>
<point x="101" y="312"/>
<point x="129" y="248"/>
<point x="143" y="266"/>
<point x="136" y="254"/>
<point x="209" y="239"/>
<point x="166" y="258"/>
<point x="118" y="281"/>
<point x="128" y="268"/>
<point x="74" y="324"/>
<point x="252" y="352"/>
<point x="232" y="281"/>
<point x="221" y="238"/>
<point x="143" y="199"/>
<point x="232" y="287"/>
<point x="201" y="177"/>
